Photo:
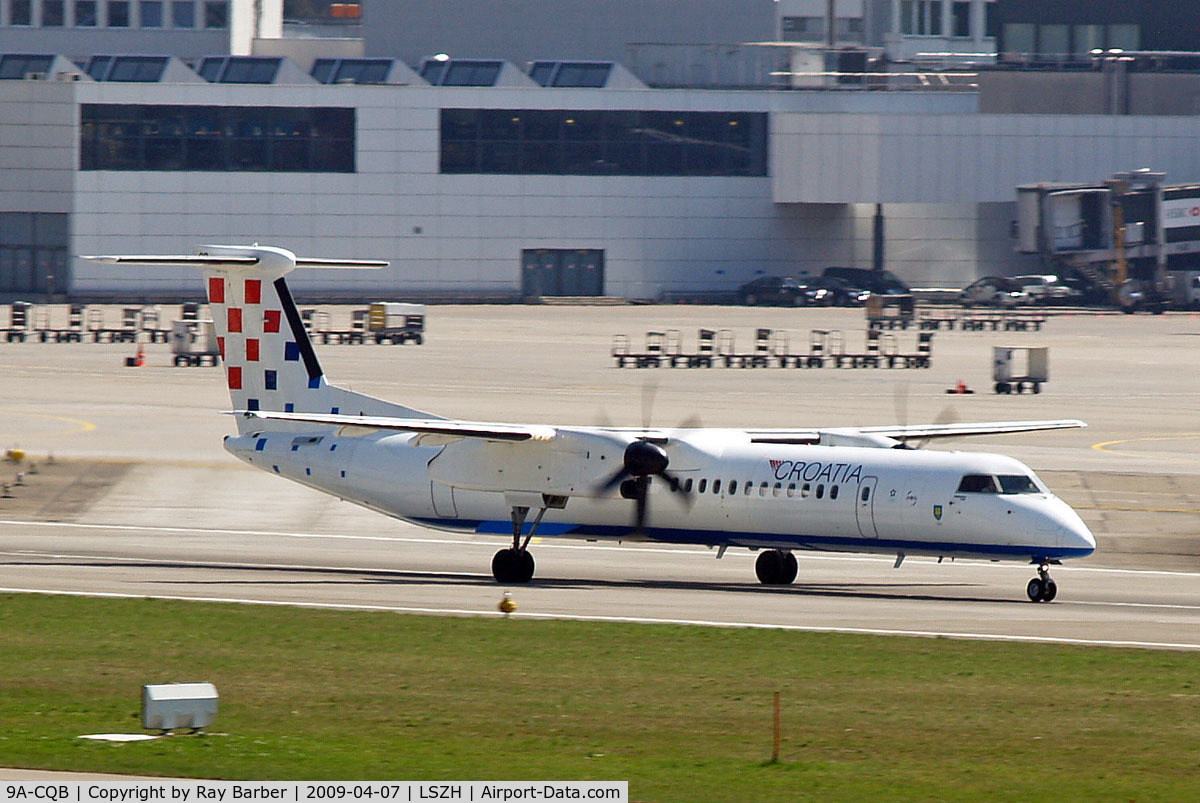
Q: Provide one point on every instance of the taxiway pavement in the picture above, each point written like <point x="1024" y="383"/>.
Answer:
<point x="156" y="508"/>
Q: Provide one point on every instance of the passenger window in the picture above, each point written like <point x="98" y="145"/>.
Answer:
<point x="804" y="490"/>
<point x="775" y="492"/>
<point x="687" y="485"/>
<point x="762" y="489"/>
<point x="791" y="490"/>
<point x="820" y="491"/>
<point x="977" y="484"/>
<point x="716" y="486"/>
<point x="749" y="487"/>
<point x="866" y="493"/>
<point x="703" y="484"/>
<point x="732" y="487"/>
<point x="833" y="492"/>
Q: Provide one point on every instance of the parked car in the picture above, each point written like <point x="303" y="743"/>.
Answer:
<point x="773" y="290"/>
<point x="993" y="291"/>
<point x="882" y="282"/>
<point x="1046" y="288"/>
<point x="826" y="291"/>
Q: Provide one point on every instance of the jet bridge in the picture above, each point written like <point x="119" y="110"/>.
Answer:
<point x="1125" y="236"/>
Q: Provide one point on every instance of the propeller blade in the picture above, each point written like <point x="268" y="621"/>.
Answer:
<point x="641" y="503"/>
<point x="619" y="476"/>
<point x="900" y="401"/>
<point x="677" y="490"/>
<point x="948" y="415"/>
<point x="649" y="391"/>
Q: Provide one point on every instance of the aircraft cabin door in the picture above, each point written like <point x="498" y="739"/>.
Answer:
<point x="865" y="512"/>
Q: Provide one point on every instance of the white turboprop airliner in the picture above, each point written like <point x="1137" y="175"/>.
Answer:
<point x="773" y="490"/>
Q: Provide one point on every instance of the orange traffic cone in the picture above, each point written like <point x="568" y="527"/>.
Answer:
<point x="140" y="359"/>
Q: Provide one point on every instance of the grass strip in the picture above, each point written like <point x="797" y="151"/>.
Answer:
<point x="682" y="713"/>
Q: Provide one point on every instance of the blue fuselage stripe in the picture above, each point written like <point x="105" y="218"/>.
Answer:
<point x="792" y="541"/>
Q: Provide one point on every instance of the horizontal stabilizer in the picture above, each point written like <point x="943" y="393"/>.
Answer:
<point x="203" y="260"/>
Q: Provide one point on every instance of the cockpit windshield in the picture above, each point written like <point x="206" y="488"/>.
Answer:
<point x="978" y="484"/>
<point x="1018" y="484"/>
<point x="1002" y="484"/>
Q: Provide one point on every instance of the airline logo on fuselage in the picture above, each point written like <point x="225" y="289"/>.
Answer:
<point x="816" y="470"/>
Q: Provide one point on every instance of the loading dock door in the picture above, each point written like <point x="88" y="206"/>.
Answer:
<point x="562" y="272"/>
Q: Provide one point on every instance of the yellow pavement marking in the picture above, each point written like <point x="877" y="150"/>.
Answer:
<point x="1105" y="446"/>
<point x="1194" y="511"/>
<point x="79" y="424"/>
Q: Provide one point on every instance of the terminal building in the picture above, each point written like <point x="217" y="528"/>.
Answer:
<point x="626" y="161"/>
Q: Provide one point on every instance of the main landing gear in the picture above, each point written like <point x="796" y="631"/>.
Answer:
<point x="1042" y="588"/>
<point x="515" y="565"/>
<point x="775" y="567"/>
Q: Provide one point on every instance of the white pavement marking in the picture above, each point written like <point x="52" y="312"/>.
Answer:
<point x="216" y="564"/>
<point x="868" y="631"/>
<point x="686" y="549"/>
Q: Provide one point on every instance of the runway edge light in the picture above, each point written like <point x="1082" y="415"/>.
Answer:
<point x="167" y="706"/>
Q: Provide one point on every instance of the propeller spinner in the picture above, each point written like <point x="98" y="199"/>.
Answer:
<point x="643" y="459"/>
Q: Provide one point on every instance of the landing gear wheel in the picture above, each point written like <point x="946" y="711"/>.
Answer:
<point x="1042" y="588"/>
<point x="775" y="567"/>
<point x="512" y="566"/>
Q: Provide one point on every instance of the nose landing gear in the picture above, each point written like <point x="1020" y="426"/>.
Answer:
<point x="1042" y="588"/>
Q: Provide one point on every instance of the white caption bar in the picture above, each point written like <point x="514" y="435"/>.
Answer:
<point x="187" y="791"/>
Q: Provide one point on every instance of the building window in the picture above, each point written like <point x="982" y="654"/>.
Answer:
<point x="53" y="14"/>
<point x="85" y="14"/>
<point x="921" y="17"/>
<point x="151" y="14"/>
<point x="1125" y="37"/>
<point x="1019" y="37"/>
<point x="960" y="19"/>
<point x="20" y="12"/>
<point x="1054" y="40"/>
<point x="609" y="142"/>
<point x="118" y="14"/>
<point x="183" y="14"/>
<point x="216" y="14"/>
<point x="217" y="138"/>
<point x="33" y="253"/>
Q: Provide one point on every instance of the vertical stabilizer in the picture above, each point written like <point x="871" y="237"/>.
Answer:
<point x="270" y="363"/>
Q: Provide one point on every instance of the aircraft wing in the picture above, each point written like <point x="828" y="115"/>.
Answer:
<point x="904" y="433"/>
<point x="448" y="430"/>
<point x="964" y="430"/>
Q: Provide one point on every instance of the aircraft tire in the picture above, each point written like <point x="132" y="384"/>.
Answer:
<point x="512" y="566"/>
<point x="1049" y="590"/>
<point x="789" y="569"/>
<point x="1036" y="589"/>
<point x="775" y="567"/>
<point x="525" y="566"/>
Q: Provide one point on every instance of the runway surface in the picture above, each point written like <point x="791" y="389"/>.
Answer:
<point x="144" y="503"/>
<point x="410" y="569"/>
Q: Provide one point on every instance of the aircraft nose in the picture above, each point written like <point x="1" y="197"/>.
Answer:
<point x="1076" y="535"/>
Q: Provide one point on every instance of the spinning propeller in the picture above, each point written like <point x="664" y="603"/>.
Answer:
<point x="643" y="459"/>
